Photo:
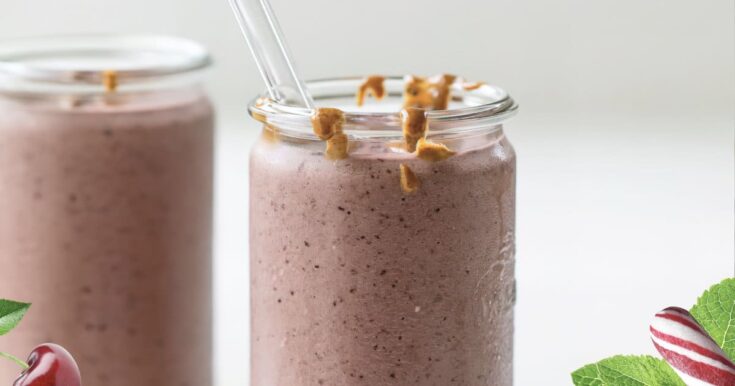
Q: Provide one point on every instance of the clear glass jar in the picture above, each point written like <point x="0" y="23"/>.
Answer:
<point x="106" y="176"/>
<point x="354" y="281"/>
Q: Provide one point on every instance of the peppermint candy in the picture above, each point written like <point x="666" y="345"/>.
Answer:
<point x="693" y="354"/>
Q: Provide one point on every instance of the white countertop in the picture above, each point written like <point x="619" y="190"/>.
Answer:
<point x="618" y="217"/>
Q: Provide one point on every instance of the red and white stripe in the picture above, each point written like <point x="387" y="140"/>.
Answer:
<point x="693" y="354"/>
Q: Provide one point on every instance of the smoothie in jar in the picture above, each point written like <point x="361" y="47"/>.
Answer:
<point x="388" y="259"/>
<point x="106" y="179"/>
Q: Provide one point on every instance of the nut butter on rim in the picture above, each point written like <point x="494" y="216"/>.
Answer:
<point x="85" y="65"/>
<point x="468" y="110"/>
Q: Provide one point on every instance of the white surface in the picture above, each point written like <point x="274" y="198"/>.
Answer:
<point x="618" y="217"/>
<point x="625" y="143"/>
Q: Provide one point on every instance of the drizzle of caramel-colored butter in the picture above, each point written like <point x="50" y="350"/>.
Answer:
<point x="410" y="183"/>
<point x="414" y="125"/>
<point x="270" y="133"/>
<point x="430" y="151"/>
<point x="442" y="85"/>
<point x="327" y="121"/>
<point x="432" y="93"/>
<point x="373" y="85"/>
<point x="327" y="124"/>
<point x="109" y="80"/>
<point x="337" y="147"/>
<point x="417" y="92"/>
<point x="260" y="117"/>
<point x="472" y="86"/>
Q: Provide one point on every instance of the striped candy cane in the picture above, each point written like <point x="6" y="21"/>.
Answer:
<point x="690" y="350"/>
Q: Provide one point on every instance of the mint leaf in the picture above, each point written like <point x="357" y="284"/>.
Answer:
<point x="10" y="314"/>
<point x="627" y="370"/>
<point x="715" y="311"/>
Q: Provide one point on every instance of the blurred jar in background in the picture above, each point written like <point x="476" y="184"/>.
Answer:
<point x="106" y="205"/>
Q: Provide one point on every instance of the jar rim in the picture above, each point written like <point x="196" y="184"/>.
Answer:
<point x="471" y="109"/>
<point x="79" y="62"/>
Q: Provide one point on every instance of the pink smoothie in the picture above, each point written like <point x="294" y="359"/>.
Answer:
<point x="105" y="227"/>
<point x="354" y="282"/>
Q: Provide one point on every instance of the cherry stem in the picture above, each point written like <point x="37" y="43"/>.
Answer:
<point x="15" y="359"/>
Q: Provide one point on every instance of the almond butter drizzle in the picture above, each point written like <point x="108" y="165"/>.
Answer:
<point x="259" y="116"/>
<point x="433" y="93"/>
<point x="472" y="86"/>
<point x="326" y="122"/>
<point x="327" y="125"/>
<point x="373" y="85"/>
<point x="337" y="147"/>
<point x="442" y="90"/>
<point x="430" y="151"/>
<point x="109" y="80"/>
<point x="270" y="133"/>
<point x="409" y="182"/>
<point x="414" y="125"/>
<point x="417" y="92"/>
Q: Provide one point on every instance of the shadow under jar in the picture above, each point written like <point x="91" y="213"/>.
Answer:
<point x="105" y="216"/>
<point x="353" y="281"/>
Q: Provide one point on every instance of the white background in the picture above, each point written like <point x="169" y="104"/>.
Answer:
<point x="625" y="142"/>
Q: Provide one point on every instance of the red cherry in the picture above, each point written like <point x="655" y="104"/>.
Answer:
<point x="50" y="365"/>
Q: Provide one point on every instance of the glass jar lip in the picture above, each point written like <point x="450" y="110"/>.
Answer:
<point x="472" y="109"/>
<point x="81" y="61"/>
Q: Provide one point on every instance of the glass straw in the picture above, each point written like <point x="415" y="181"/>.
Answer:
<point x="268" y="47"/>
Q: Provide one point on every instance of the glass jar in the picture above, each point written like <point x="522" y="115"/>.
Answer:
<point x="106" y="182"/>
<point x="354" y="281"/>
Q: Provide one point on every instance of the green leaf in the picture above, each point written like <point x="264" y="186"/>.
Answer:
<point x="627" y="370"/>
<point x="715" y="311"/>
<point x="11" y="313"/>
